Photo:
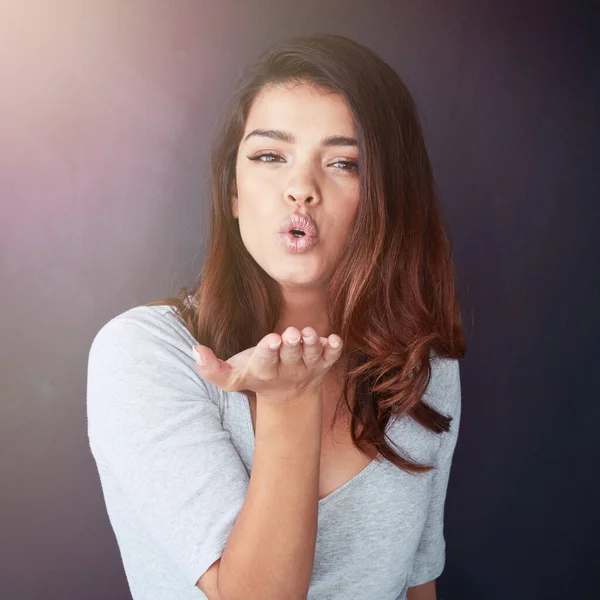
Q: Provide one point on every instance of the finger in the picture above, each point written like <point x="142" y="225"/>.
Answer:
<point x="264" y="362"/>
<point x="331" y="353"/>
<point x="312" y="350"/>
<point x="291" y="348"/>
<point x="267" y="350"/>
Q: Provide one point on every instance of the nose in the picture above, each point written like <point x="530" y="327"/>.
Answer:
<point x="300" y="198"/>
<point x="301" y="189"/>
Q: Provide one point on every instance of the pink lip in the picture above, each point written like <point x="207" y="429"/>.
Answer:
<point x="303" y="222"/>
<point x="298" y="245"/>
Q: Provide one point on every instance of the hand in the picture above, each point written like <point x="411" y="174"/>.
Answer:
<point x="277" y="374"/>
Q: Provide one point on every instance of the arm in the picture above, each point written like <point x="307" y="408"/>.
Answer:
<point x="426" y="591"/>
<point x="270" y="552"/>
<point x="156" y="432"/>
<point x="430" y="556"/>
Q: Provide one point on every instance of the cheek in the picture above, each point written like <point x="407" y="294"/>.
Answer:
<point x="253" y="177"/>
<point x="256" y="237"/>
<point x="257" y="219"/>
<point x="256" y="197"/>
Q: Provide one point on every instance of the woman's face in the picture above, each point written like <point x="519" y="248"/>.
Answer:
<point x="299" y="174"/>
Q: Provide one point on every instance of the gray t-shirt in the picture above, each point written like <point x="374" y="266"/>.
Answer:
<point x="174" y="455"/>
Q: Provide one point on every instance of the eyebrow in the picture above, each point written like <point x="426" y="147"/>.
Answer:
<point x="283" y="136"/>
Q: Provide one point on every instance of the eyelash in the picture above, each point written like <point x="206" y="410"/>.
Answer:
<point x="257" y="157"/>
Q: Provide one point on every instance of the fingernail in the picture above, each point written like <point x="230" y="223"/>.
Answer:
<point x="275" y="345"/>
<point x="197" y="356"/>
<point x="335" y="344"/>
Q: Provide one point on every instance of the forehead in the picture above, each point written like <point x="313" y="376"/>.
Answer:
<point x="302" y="109"/>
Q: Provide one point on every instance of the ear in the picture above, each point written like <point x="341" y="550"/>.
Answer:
<point x="234" y="206"/>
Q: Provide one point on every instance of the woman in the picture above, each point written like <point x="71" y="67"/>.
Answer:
<point x="299" y="470"/>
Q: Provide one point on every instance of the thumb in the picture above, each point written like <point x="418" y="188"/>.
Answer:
<point x="200" y="359"/>
<point x="211" y="367"/>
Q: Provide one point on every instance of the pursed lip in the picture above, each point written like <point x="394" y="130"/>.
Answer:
<point x="304" y="222"/>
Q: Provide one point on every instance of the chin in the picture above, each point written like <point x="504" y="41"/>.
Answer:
<point x="299" y="279"/>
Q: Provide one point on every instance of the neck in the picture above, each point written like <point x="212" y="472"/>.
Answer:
<point x="304" y="307"/>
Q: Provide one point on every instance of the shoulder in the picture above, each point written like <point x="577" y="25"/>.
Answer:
<point x="154" y="332"/>
<point x="443" y="392"/>
<point x="144" y="343"/>
<point x="144" y="322"/>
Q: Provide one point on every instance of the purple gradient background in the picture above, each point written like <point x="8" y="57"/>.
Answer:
<point x="106" y="113"/>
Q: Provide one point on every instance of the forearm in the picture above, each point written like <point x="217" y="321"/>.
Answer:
<point x="426" y="591"/>
<point x="270" y="552"/>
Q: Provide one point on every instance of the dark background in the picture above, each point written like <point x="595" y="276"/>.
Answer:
<point x="106" y="113"/>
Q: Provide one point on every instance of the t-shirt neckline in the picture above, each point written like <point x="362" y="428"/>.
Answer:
<point x="350" y="483"/>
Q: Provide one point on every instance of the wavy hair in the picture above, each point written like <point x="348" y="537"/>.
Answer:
<point x="392" y="297"/>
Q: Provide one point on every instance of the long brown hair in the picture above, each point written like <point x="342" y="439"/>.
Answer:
<point x="392" y="297"/>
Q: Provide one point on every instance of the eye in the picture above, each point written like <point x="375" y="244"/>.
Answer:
<point x="258" y="157"/>
<point x="348" y="164"/>
<point x="353" y="165"/>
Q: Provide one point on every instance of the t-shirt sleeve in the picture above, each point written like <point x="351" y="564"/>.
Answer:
<point x="155" y="427"/>
<point x="430" y="557"/>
